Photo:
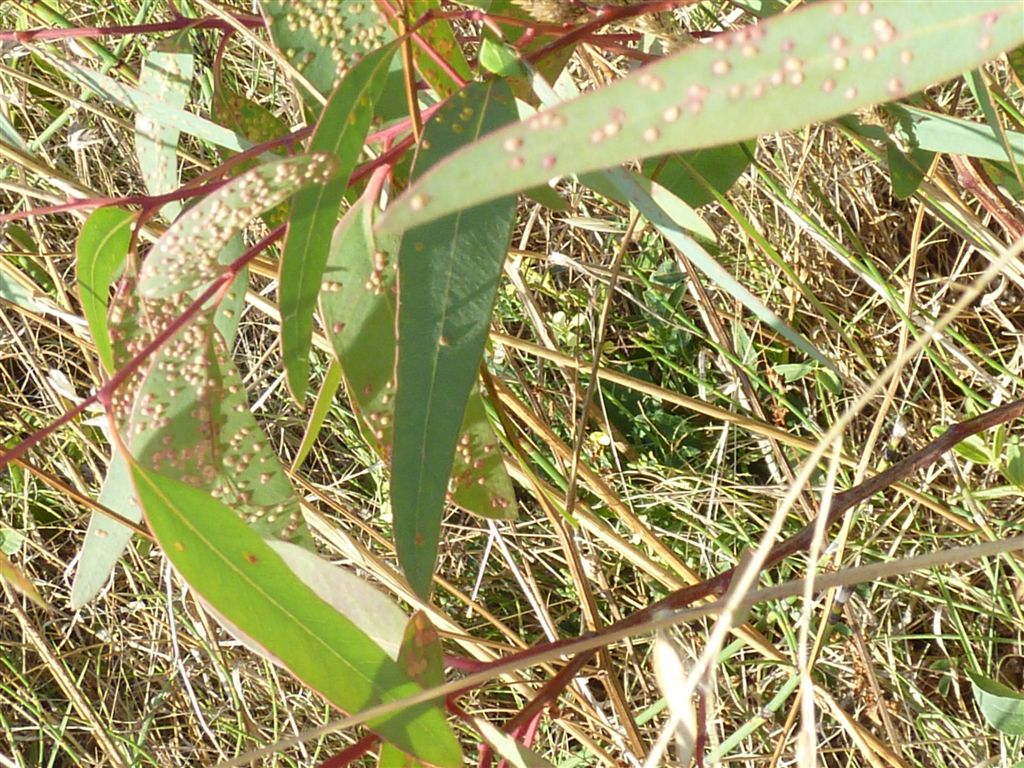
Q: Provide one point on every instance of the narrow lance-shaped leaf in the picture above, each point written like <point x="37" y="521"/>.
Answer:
<point x="106" y="538"/>
<point x="243" y="579"/>
<point x="166" y="76"/>
<point x="190" y="252"/>
<point x="821" y="61"/>
<point x="101" y="250"/>
<point x="358" y="304"/>
<point x="340" y="133"/>
<point x="448" y="274"/>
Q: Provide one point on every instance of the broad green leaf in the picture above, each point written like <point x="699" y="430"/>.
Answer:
<point x="358" y="306"/>
<point x="246" y="117"/>
<point x="688" y="176"/>
<point x="422" y="659"/>
<point x="101" y="250"/>
<point x="340" y="133"/>
<point x="323" y="38"/>
<point x="355" y="599"/>
<point x="907" y="172"/>
<point x="499" y="58"/>
<point x="167" y="77"/>
<point x="448" y="277"/>
<point x="189" y="254"/>
<point x="106" y="538"/>
<point x="821" y="61"/>
<point x="246" y="581"/>
<point x="1002" y="707"/>
<point x="10" y="541"/>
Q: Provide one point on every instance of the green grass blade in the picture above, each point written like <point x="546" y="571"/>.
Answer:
<point x="233" y="569"/>
<point x="166" y="76"/>
<point x="340" y="133"/>
<point x="189" y="253"/>
<point x="101" y="250"/>
<point x="821" y="61"/>
<point x="448" y="275"/>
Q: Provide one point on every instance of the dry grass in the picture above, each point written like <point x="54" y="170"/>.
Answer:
<point x="142" y="676"/>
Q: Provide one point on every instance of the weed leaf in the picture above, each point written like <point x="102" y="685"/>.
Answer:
<point x="1002" y="707"/>
<point x="245" y="580"/>
<point x="819" y="62"/>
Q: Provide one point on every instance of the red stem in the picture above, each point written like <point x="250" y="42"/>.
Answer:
<point x="42" y="34"/>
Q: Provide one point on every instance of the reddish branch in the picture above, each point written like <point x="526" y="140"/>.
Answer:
<point x="175" y="25"/>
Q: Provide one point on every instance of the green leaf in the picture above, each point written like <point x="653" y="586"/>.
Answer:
<point x="189" y="254"/>
<point x="318" y="414"/>
<point x="819" y="62"/>
<point x="359" y="307"/>
<point x="448" y="277"/>
<point x="689" y="176"/>
<point x="1013" y="466"/>
<point x="422" y="658"/>
<point x="106" y="538"/>
<point x="190" y="417"/>
<point x="246" y="117"/>
<point x="1002" y="707"/>
<point x="440" y="37"/>
<point x="101" y="250"/>
<point x="907" y="173"/>
<point x="500" y="59"/>
<point x="323" y="38"/>
<point x="314" y="212"/>
<point x="952" y="135"/>
<point x="243" y="579"/>
<point x="166" y="76"/>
